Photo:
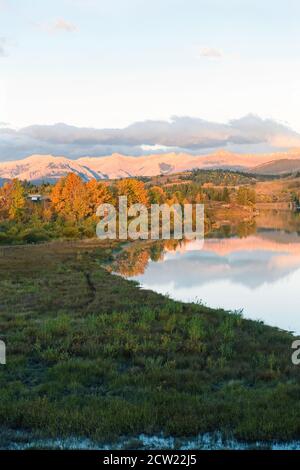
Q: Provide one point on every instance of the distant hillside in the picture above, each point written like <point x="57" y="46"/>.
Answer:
<point x="38" y="168"/>
<point x="277" y="167"/>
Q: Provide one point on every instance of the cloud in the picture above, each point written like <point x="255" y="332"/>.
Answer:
<point x="179" y="134"/>
<point x="157" y="148"/>
<point x="62" y="25"/>
<point x="57" y="26"/>
<point x="210" y="53"/>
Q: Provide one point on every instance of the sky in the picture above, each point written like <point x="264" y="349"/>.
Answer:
<point x="108" y="64"/>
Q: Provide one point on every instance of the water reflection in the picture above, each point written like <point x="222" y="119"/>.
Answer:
<point x="259" y="273"/>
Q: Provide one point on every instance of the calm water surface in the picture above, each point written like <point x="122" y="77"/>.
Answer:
<point x="259" y="273"/>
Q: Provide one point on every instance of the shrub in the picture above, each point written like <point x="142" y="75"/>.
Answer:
<point x="34" y="236"/>
<point x="70" y="232"/>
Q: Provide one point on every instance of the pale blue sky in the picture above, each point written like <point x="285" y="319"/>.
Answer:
<point x="110" y="63"/>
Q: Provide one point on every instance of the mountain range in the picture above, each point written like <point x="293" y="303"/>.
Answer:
<point x="49" y="168"/>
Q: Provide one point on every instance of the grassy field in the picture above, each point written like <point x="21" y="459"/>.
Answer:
<point x="89" y="354"/>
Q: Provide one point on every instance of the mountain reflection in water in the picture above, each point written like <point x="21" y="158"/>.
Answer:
<point x="259" y="273"/>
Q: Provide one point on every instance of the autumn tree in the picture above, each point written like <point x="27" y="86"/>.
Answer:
<point x="97" y="193"/>
<point x="12" y="200"/>
<point x="246" y="196"/>
<point x="56" y="196"/>
<point x="134" y="190"/>
<point x="70" y="198"/>
<point x="157" y="195"/>
<point x="225" y="194"/>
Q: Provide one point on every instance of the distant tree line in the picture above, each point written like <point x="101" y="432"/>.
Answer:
<point x="68" y="208"/>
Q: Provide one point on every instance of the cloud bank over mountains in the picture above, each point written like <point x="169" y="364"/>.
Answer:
<point x="186" y="134"/>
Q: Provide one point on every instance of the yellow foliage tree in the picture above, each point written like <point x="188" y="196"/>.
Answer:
<point x="12" y="200"/>
<point x="134" y="190"/>
<point x="157" y="195"/>
<point x="70" y="198"/>
<point x="56" y="197"/>
<point x="98" y="193"/>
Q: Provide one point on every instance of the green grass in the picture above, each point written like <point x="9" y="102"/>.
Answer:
<point x="90" y="354"/>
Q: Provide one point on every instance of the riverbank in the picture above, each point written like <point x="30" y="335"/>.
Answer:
<point x="91" y="355"/>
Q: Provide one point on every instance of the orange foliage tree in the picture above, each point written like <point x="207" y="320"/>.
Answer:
<point x="12" y="200"/>
<point x="134" y="190"/>
<point x="70" y="199"/>
<point x="98" y="193"/>
<point x="75" y="200"/>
